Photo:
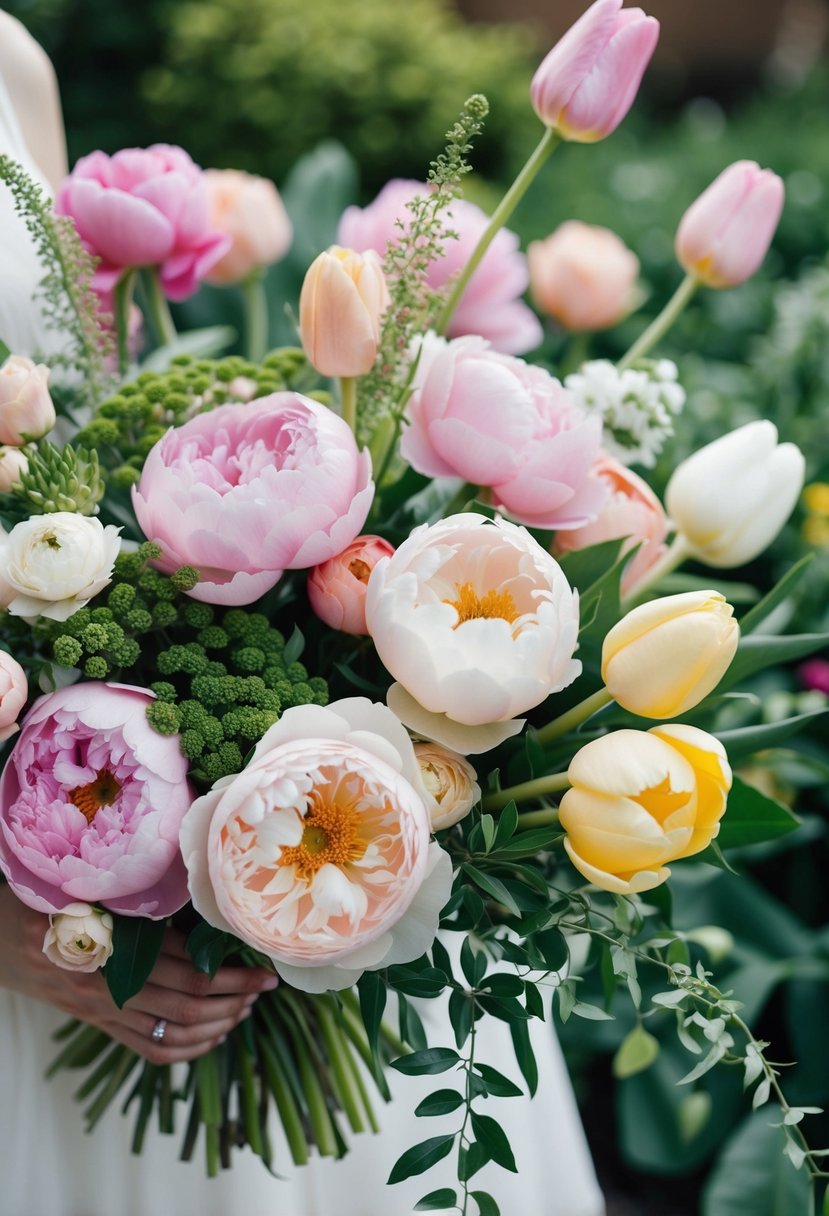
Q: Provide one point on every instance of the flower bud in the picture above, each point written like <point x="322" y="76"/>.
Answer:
<point x="343" y="298"/>
<point x="724" y="236"/>
<point x="79" y="938"/>
<point x="247" y="209"/>
<point x="14" y="689"/>
<point x="587" y="83"/>
<point x="640" y="799"/>
<point x="582" y="276"/>
<point x="26" y="409"/>
<point x="731" y="498"/>
<point x="337" y="587"/>
<point x="13" y="462"/>
<point x="450" y="783"/>
<point x="665" y="656"/>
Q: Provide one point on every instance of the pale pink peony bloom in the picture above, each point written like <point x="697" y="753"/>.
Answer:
<point x="144" y="207"/>
<point x="491" y="304"/>
<point x="583" y="276"/>
<point x="476" y="623"/>
<point x="26" y="409"/>
<point x="632" y="511"/>
<point x="318" y="854"/>
<point x="13" y="462"/>
<point x="337" y="588"/>
<point x="450" y="782"/>
<point x="14" y="689"/>
<point x="245" y="492"/>
<point x="499" y="422"/>
<point x="588" y="81"/>
<point x="249" y="210"/>
<point x="723" y="237"/>
<point x="341" y="307"/>
<point x="79" y="938"/>
<point x="91" y="801"/>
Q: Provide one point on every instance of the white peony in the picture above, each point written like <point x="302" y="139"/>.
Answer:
<point x="51" y="565"/>
<point x="79" y="938"/>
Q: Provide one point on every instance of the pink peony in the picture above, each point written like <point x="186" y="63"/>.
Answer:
<point x="14" y="689"/>
<point x="337" y="588"/>
<point x="583" y="276"/>
<point x="144" y="207"/>
<point x="490" y="306"/>
<point x="91" y="801"/>
<point x="245" y="492"/>
<point x="496" y="421"/>
<point x="318" y="853"/>
<point x="633" y="511"/>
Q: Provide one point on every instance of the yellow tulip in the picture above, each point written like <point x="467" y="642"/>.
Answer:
<point x="640" y="799"/>
<point x="665" y="656"/>
<point x="343" y="298"/>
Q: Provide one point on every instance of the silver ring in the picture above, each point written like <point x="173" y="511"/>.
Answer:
<point x="159" y="1030"/>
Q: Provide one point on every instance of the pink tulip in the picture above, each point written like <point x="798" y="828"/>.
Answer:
<point x="491" y="305"/>
<point x="91" y="801"/>
<point x="724" y="236"/>
<point x="587" y="83"/>
<point x="144" y="207"/>
<point x="14" y="689"/>
<point x="632" y="511"/>
<point x="582" y="276"/>
<point x="245" y="492"/>
<point x="337" y="588"/>
<point x="26" y="408"/>
<point x="249" y="210"/>
<point x="498" y="422"/>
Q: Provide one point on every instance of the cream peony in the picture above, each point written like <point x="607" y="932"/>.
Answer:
<point x="79" y="938"/>
<point x="318" y="854"/>
<point x="51" y="565"/>
<point x="450" y="782"/>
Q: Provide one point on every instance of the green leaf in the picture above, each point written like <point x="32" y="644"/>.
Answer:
<point x="506" y="1008"/>
<point x="4" y="351"/>
<point x="316" y="192"/>
<point x="752" y="1175"/>
<point x="751" y="817"/>
<point x="507" y="824"/>
<point x="136" y="945"/>
<point x="524" y="1054"/>
<point x="209" y="947"/>
<point x="486" y="1204"/>
<point x="372" y="993"/>
<point x="490" y="1133"/>
<point x="765" y="650"/>
<point x="471" y="1160"/>
<point x="421" y="1157"/>
<point x="441" y="1102"/>
<point x="428" y="983"/>
<point x="776" y="596"/>
<point x="430" y="1060"/>
<point x="493" y="887"/>
<point x="437" y="1201"/>
<point x="496" y="1083"/>
<point x="204" y="343"/>
<point x="411" y="1027"/>
<point x="473" y="963"/>
<point x="551" y="944"/>
<point x="587" y="567"/>
<point x="487" y="824"/>
<point x="637" y="1051"/>
<point x="503" y="985"/>
<point x="528" y="844"/>
<point x="293" y="647"/>
<point x="745" y="740"/>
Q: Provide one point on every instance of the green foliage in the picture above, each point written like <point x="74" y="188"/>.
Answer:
<point x="59" y="479"/>
<point x="136" y="945"/>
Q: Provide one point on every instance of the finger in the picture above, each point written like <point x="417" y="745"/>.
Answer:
<point x="164" y="1052"/>
<point x="174" y="944"/>
<point x="170" y="972"/>
<point x="185" y="1010"/>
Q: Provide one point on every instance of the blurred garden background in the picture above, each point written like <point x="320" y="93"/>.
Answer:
<point x="371" y="87"/>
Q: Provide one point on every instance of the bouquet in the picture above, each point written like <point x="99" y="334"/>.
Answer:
<point x="334" y="655"/>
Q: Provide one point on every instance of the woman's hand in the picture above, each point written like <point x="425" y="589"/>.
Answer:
<point x="198" y="1011"/>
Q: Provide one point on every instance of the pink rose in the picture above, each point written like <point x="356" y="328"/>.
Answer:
<point x="582" y="276"/>
<point x="496" y="421"/>
<point x="13" y="464"/>
<point x="490" y="306"/>
<point x="14" y="689"/>
<point x="26" y="409"/>
<point x="337" y="588"/>
<point x="249" y="210"/>
<point x="144" y="207"/>
<point x="91" y="801"/>
<point x="245" y="492"/>
<point x="633" y="511"/>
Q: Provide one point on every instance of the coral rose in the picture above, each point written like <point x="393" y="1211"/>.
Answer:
<point x="582" y="276"/>
<point x="337" y="588"/>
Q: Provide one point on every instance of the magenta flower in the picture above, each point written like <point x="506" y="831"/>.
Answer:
<point x="496" y="421"/>
<point x="144" y="207"/>
<point x="91" y="801"/>
<point x="245" y="492"/>
<point x="491" y="305"/>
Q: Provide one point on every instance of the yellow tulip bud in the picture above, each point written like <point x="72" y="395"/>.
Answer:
<point x="665" y="656"/>
<point x="343" y="298"/>
<point x="640" y="799"/>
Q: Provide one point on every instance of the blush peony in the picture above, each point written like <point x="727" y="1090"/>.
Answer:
<point x="245" y="492"/>
<point x="91" y="800"/>
<point x="318" y="854"/>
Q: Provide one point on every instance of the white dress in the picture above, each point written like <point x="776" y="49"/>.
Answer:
<point x="50" y="1167"/>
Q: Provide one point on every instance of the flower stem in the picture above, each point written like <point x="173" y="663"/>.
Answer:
<point x="123" y="302"/>
<point x="544" y="149"/>
<point x="674" y="556"/>
<point x="256" y="316"/>
<point x="536" y="788"/>
<point x="662" y="323"/>
<point x="574" y="717"/>
<point x="158" y="308"/>
<point x="348" y="400"/>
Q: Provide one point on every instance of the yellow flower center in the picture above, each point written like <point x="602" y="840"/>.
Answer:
<point x="360" y="569"/>
<point x="328" y="838"/>
<point x="491" y="605"/>
<point x="101" y="792"/>
<point x="660" y="801"/>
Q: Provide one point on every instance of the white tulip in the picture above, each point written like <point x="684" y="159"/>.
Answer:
<point x="79" y="938"/>
<point x="731" y="498"/>
<point x="51" y="565"/>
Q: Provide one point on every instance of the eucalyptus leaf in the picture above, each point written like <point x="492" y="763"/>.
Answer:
<point x="637" y="1051"/>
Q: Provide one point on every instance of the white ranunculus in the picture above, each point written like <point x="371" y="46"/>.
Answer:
<point x="477" y="623"/>
<point x="731" y="498"/>
<point x="450" y="781"/>
<point x="79" y="938"/>
<point x="51" y="565"/>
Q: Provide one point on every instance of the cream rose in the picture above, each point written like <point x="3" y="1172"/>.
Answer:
<point x="51" y="565"/>
<point x="79" y="938"/>
<point x="450" y="783"/>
